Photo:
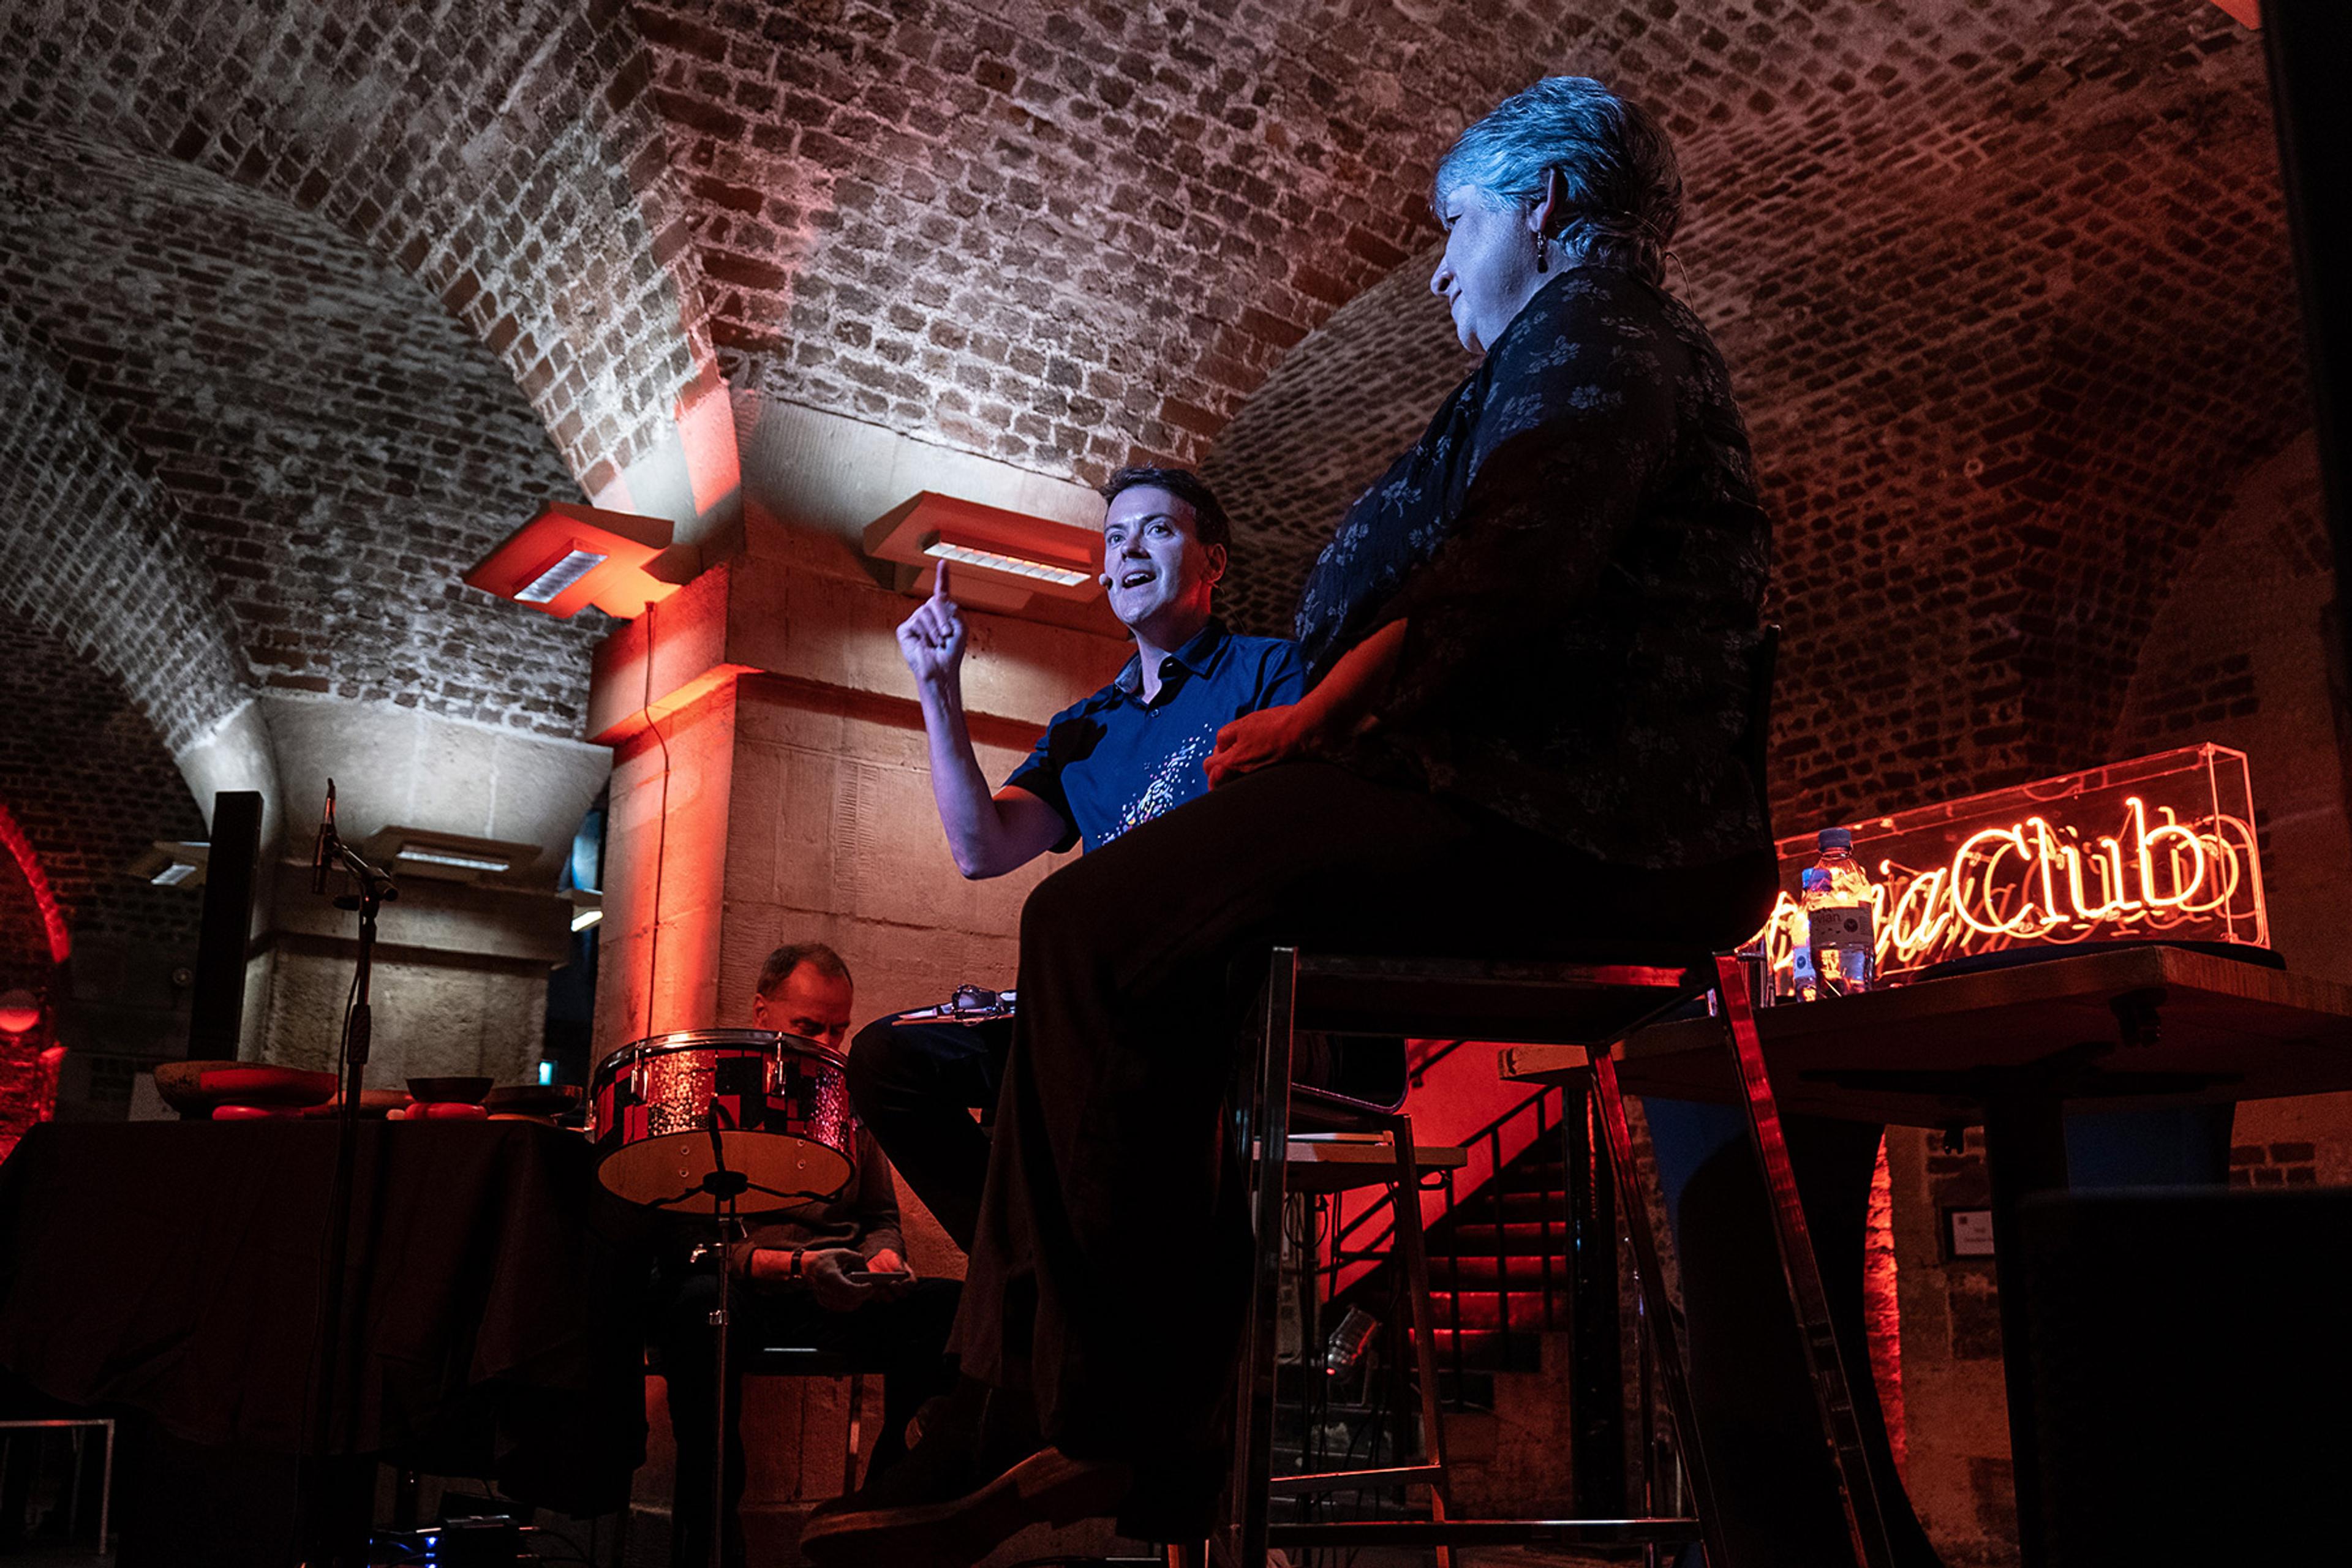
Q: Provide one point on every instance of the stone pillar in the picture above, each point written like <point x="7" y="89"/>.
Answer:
<point x="462" y="958"/>
<point x="771" y="784"/>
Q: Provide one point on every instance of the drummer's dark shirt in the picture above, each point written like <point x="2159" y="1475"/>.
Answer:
<point x="1578" y="552"/>
<point x="864" y="1216"/>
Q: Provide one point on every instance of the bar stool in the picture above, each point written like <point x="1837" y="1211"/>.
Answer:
<point x="1422" y="997"/>
<point x="1338" y="1144"/>
<point x="1594" y="997"/>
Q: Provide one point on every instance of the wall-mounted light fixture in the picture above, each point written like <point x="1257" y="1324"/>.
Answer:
<point x="1003" y="557"/>
<point x="446" y="857"/>
<point x="569" y="556"/>
<point x="171" y="863"/>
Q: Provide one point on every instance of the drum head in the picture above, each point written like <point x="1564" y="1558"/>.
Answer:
<point x="658" y="1170"/>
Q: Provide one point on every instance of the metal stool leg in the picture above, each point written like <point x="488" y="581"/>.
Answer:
<point x="1244" y="1543"/>
<point x="1665" y="1327"/>
<point x="1412" y="1249"/>
<point x="1833" y="1390"/>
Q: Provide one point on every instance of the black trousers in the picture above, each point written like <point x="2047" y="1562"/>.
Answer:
<point x="903" y="1338"/>
<point x="916" y="1083"/>
<point x="1112" y="1254"/>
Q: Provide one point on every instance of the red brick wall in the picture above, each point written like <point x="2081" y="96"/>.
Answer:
<point x="2009" y="310"/>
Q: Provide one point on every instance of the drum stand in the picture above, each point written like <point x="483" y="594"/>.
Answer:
<point x="724" y="1186"/>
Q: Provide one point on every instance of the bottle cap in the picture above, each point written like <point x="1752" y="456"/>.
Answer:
<point x="1837" y="839"/>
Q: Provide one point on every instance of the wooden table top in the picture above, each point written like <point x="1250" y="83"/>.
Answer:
<point x="2125" y="1028"/>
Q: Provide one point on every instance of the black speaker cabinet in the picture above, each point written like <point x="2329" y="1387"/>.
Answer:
<point x="2193" y="1365"/>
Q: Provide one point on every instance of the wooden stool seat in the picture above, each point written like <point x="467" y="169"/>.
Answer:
<point x="1326" y="1162"/>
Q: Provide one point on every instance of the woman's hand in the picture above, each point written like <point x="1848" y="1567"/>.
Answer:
<point x="1257" y="741"/>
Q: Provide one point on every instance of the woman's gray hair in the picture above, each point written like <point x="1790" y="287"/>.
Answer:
<point x="1624" y="189"/>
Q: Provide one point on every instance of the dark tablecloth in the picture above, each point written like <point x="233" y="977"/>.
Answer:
<point x="495" y="1296"/>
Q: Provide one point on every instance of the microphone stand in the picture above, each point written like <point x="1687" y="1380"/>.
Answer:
<point x="375" y="888"/>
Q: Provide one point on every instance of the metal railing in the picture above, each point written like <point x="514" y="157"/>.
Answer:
<point x="1356" y="1244"/>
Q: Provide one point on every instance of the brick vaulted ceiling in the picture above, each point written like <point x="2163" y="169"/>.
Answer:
<point x="2003" y="282"/>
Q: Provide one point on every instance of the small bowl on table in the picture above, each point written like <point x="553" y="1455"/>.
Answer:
<point x="449" y="1091"/>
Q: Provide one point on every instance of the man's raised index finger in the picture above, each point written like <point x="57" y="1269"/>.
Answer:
<point x="939" y="582"/>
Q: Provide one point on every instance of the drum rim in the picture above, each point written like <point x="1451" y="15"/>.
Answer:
<point x="687" y="1039"/>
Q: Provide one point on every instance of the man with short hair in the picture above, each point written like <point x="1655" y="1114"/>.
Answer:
<point x="830" y="1275"/>
<point x="1122" y="756"/>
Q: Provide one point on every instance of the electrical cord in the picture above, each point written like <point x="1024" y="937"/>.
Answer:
<point x="661" y="834"/>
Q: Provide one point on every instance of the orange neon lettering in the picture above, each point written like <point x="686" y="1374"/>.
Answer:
<point x="2034" y="881"/>
<point x="2010" y="841"/>
<point x="2119" y="900"/>
<point x="2145" y="837"/>
<point x="1917" y="920"/>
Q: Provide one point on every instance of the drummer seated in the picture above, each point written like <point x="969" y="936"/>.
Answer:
<point x="829" y="1276"/>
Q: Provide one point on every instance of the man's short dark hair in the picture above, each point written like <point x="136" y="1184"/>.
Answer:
<point x="1210" y="524"/>
<point x="790" y="956"/>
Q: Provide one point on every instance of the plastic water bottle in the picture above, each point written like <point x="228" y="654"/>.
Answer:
<point x="1839" y="917"/>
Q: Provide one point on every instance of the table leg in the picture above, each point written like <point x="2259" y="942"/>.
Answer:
<point x="1832" y="1389"/>
<point x="2025" y="1152"/>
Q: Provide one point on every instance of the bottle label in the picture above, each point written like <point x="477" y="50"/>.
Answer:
<point x="1847" y="925"/>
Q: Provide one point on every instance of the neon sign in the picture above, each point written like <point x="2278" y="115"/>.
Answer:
<point x="2158" y="848"/>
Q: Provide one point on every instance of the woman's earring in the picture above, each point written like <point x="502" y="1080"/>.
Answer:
<point x="1543" y="253"/>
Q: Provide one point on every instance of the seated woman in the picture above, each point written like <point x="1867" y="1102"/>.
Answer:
<point x="1531" y="643"/>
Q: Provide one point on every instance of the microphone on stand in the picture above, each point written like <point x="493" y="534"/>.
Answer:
<point x="319" y="855"/>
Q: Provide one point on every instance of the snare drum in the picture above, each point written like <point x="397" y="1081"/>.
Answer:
<point x="779" y="1105"/>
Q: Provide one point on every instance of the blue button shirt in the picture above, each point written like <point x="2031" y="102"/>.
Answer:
<point x="1114" y="760"/>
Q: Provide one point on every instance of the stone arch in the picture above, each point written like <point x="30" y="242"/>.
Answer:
<point x="336" y="449"/>
<point x="503" y="155"/>
<point x="98" y="557"/>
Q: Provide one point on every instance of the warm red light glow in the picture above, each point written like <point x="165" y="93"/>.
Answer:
<point x="52" y="918"/>
<point x="2160" y="846"/>
<point x="1882" y="1310"/>
<point x="571" y="556"/>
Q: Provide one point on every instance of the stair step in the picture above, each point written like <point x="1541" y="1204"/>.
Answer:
<point x="1470" y="1271"/>
<point x="1517" y="1206"/>
<point x="1488" y="1349"/>
<point x="1484" y="1310"/>
<point x="1524" y="1237"/>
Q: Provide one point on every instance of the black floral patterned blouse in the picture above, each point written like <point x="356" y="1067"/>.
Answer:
<point x="1576" y="547"/>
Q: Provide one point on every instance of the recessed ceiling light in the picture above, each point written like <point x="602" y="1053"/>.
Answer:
<point x="544" y="587"/>
<point x="443" y="858"/>
<point x="996" y="561"/>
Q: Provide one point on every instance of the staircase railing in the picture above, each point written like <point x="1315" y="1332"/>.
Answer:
<point x="1356" y="1245"/>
